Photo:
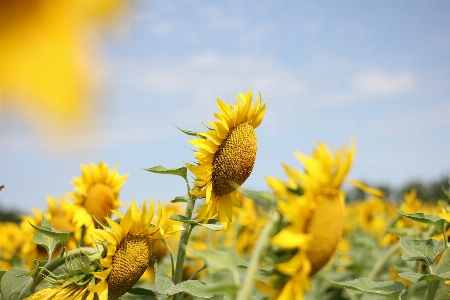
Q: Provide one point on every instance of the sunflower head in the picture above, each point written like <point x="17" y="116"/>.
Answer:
<point x="312" y="204"/>
<point x="226" y="155"/>
<point x="97" y="190"/>
<point x="129" y="247"/>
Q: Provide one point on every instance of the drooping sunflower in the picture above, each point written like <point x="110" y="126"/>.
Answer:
<point x="97" y="190"/>
<point x="126" y="250"/>
<point x="313" y="204"/>
<point x="227" y="155"/>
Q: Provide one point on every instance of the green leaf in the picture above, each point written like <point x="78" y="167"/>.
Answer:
<point x="416" y="277"/>
<point x="163" y="282"/>
<point x="218" y="260"/>
<point x="443" y="269"/>
<point x="49" y="237"/>
<point x="184" y="198"/>
<point x="427" y="219"/>
<point x="423" y="250"/>
<point x="220" y="289"/>
<point x="264" y="198"/>
<point x="212" y="223"/>
<point x="16" y="285"/>
<point x="388" y="289"/>
<point x="143" y="292"/>
<point x="192" y="287"/>
<point x="161" y="170"/>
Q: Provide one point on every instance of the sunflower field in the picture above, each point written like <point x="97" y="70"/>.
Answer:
<point x="297" y="240"/>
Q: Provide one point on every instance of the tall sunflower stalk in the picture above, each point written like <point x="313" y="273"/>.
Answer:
<point x="225" y="159"/>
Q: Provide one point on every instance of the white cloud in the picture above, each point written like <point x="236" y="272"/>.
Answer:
<point x="383" y="83"/>
<point x="209" y="75"/>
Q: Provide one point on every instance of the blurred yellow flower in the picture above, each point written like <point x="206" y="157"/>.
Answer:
<point x="226" y="156"/>
<point x="12" y="239"/>
<point x="46" y="61"/>
<point x="61" y="216"/>
<point x="313" y="204"/>
<point x="97" y="190"/>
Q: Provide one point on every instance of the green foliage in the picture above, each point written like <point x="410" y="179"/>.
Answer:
<point x="387" y="289"/>
<point x="212" y="223"/>
<point x="162" y="170"/>
<point x="16" y="285"/>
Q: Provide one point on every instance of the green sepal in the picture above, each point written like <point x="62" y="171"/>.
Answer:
<point x="16" y="284"/>
<point x="162" y="170"/>
<point x="422" y="250"/>
<point x="189" y="132"/>
<point x="388" y="289"/>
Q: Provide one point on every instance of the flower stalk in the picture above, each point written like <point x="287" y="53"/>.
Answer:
<point x="184" y="238"/>
<point x="261" y="245"/>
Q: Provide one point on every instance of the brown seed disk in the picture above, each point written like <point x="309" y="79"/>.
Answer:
<point x="234" y="160"/>
<point x="128" y="264"/>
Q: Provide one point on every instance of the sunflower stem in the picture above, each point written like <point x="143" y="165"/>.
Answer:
<point x="263" y="241"/>
<point x="171" y="255"/>
<point x="384" y="258"/>
<point x="184" y="238"/>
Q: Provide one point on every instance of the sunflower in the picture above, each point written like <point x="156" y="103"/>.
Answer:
<point x="45" y="58"/>
<point x="313" y="205"/>
<point x="127" y="250"/>
<point x="12" y="240"/>
<point x="226" y="157"/>
<point x="97" y="190"/>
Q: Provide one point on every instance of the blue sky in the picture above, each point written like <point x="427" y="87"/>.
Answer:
<point x="375" y="71"/>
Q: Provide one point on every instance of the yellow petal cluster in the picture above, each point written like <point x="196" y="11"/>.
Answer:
<point x="313" y="204"/>
<point x="226" y="156"/>
<point x="45" y="59"/>
<point x="97" y="190"/>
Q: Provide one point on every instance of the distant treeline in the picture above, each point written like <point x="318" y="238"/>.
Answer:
<point x="426" y="191"/>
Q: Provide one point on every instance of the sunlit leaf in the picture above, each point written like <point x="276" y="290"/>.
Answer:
<point x="16" y="284"/>
<point x="192" y="287"/>
<point x="388" y="289"/>
<point x="416" y="277"/>
<point x="49" y="237"/>
<point x="427" y="219"/>
<point x="218" y="260"/>
<point x="162" y="170"/>
<point x="423" y="250"/>
<point x="163" y="282"/>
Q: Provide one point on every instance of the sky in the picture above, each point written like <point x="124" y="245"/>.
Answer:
<point x="377" y="72"/>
